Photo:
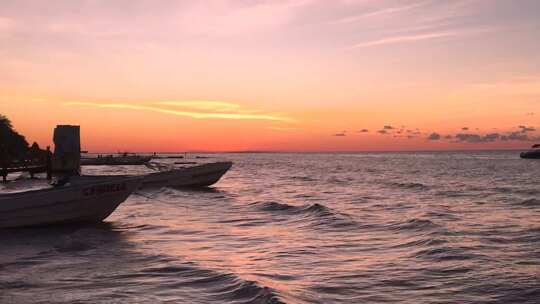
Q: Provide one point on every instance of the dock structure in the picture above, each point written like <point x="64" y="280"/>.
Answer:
<point x="64" y="162"/>
<point x="30" y="168"/>
<point x="36" y="165"/>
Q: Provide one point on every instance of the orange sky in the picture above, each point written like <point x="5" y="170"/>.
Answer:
<point x="297" y="75"/>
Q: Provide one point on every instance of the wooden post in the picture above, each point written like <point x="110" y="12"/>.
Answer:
<point x="48" y="163"/>
<point x="4" y="162"/>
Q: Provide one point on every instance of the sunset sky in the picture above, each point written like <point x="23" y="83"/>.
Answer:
<point x="297" y="75"/>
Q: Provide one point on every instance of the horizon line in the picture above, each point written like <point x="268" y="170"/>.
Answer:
<point x="310" y="151"/>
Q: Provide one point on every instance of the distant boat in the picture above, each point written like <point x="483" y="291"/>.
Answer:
<point x="197" y="176"/>
<point x="533" y="153"/>
<point x="82" y="199"/>
<point x="111" y="160"/>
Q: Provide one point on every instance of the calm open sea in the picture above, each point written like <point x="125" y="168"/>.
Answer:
<point x="301" y="228"/>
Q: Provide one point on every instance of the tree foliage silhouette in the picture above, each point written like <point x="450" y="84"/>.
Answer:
<point x="13" y="146"/>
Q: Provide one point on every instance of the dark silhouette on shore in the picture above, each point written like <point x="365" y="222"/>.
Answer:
<point x="16" y="155"/>
<point x="13" y="145"/>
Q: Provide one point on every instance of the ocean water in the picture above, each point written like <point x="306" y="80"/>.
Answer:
<point x="301" y="228"/>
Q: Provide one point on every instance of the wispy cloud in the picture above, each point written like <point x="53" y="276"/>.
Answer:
<point x="382" y="12"/>
<point x="274" y="128"/>
<point x="197" y="113"/>
<point x="202" y="105"/>
<point x="406" y="38"/>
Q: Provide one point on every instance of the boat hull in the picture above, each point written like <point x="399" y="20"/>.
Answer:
<point x="197" y="176"/>
<point x="115" y="161"/>
<point x="535" y="154"/>
<point x="84" y="202"/>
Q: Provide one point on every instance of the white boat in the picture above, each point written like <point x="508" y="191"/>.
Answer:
<point x="82" y="199"/>
<point x="196" y="176"/>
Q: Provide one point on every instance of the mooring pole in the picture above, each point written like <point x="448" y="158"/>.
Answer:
<point x="4" y="162"/>
<point x="48" y="163"/>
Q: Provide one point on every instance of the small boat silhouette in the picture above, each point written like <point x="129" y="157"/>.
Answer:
<point x="533" y="153"/>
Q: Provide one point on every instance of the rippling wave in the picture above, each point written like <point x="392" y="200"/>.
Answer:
<point x="532" y="202"/>
<point x="415" y="224"/>
<point x="311" y="215"/>
<point x="411" y="185"/>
